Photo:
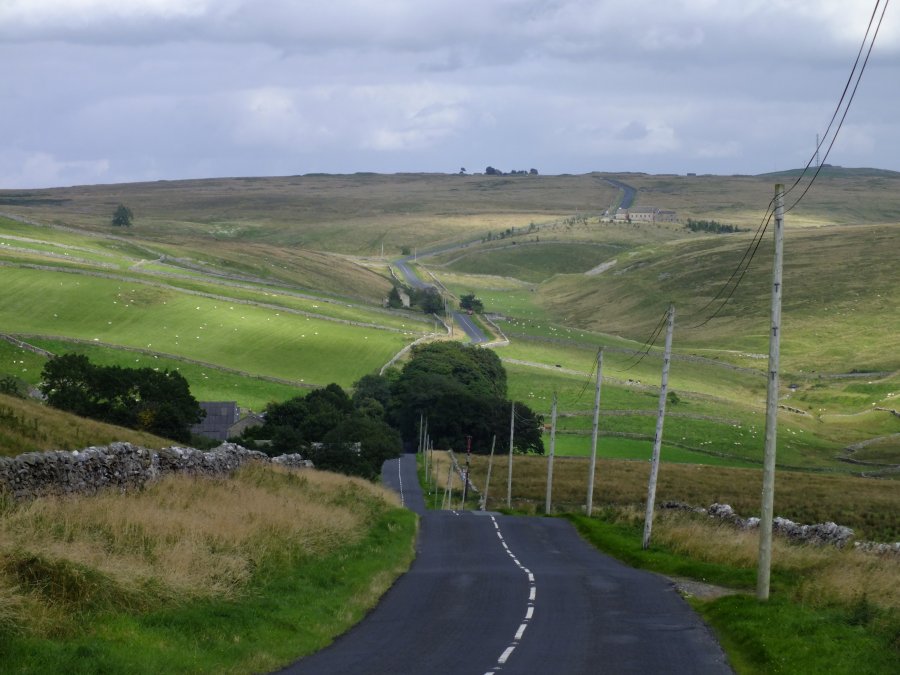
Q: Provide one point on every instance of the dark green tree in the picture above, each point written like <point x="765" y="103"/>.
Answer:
<point x="394" y="298"/>
<point x="122" y="216"/>
<point x="140" y="398"/>
<point x="471" y="303"/>
<point x="462" y="391"/>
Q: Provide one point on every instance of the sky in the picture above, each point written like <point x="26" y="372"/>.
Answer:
<point x="111" y="91"/>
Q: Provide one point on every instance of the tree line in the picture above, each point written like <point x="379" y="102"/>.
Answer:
<point x="713" y="226"/>
<point x="460" y="389"/>
<point x="159" y="402"/>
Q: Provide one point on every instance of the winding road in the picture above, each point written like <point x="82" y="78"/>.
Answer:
<point x="505" y="594"/>
<point x="475" y="334"/>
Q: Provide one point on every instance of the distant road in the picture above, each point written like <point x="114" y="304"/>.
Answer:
<point x="474" y="333"/>
<point x="628" y="192"/>
<point x="506" y="594"/>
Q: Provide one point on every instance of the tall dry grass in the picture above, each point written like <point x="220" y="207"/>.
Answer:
<point x="179" y="539"/>
<point x="870" y="506"/>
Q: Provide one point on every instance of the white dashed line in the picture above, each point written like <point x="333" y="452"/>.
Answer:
<point x="529" y="611"/>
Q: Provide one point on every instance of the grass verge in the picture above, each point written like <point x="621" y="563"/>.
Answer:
<point x="803" y="628"/>
<point x="284" y="596"/>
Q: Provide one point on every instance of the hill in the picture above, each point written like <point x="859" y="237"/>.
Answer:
<point x="261" y="287"/>
<point x="29" y="426"/>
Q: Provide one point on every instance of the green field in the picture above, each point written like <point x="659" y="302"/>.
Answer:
<point x="300" y="259"/>
<point x="256" y="340"/>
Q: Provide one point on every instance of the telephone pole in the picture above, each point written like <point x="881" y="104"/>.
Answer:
<point x="512" y="430"/>
<point x="768" y="489"/>
<point x="487" y="481"/>
<point x="594" y="431"/>
<point x="468" y="458"/>
<point x="657" y="441"/>
<point x="550" y="457"/>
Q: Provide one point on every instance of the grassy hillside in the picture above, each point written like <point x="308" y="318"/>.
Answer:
<point x="29" y="426"/>
<point x="535" y="250"/>
<point x="353" y="214"/>
<point x="235" y="332"/>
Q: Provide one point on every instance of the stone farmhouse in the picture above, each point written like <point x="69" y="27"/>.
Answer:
<point x="645" y="214"/>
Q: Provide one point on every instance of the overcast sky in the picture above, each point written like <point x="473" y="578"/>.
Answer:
<point x="105" y="91"/>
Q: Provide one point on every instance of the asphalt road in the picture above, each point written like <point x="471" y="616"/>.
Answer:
<point x="502" y="594"/>
<point x="474" y="333"/>
<point x="628" y="193"/>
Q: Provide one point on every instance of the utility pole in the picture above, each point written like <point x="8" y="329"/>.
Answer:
<point x="421" y="431"/>
<point x="550" y="457"/>
<point x="487" y="482"/>
<point x="594" y="431"/>
<point x="657" y="441"/>
<point x="768" y="489"/>
<point x="512" y="429"/>
<point x="468" y="458"/>
<point x="448" y="495"/>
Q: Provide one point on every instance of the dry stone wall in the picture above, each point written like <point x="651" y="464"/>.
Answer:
<point x="121" y="466"/>
<point x="819" y="533"/>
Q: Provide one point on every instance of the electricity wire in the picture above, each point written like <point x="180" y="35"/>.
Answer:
<point x="743" y="265"/>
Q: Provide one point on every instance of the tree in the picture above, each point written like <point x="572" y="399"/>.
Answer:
<point x="462" y="391"/>
<point x="122" y="217"/>
<point x="471" y="303"/>
<point x="334" y="431"/>
<point x="491" y="171"/>
<point x="394" y="299"/>
<point x="139" y="398"/>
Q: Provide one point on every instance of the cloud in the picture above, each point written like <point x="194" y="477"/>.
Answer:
<point x="41" y="168"/>
<point x="167" y="88"/>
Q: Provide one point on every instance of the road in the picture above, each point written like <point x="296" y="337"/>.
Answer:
<point x="474" y="333"/>
<point x="628" y="193"/>
<point x="505" y="594"/>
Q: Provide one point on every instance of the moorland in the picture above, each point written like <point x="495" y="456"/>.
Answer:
<point x="257" y="290"/>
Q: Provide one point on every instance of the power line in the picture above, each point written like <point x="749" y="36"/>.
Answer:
<point x="743" y="265"/>
<point x="852" y="95"/>
<point x="648" y="344"/>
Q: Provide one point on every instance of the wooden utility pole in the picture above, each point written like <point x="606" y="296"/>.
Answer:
<point x="512" y="430"/>
<point x="589" y="506"/>
<point x="421" y="431"/>
<point x="548" y="502"/>
<point x="487" y="482"/>
<point x="468" y="464"/>
<point x="768" y="489"/>
<point x="448" y="494"/>
<point x="657" y="441"/>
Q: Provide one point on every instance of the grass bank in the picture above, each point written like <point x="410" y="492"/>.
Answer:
<point x="193" y="575"/>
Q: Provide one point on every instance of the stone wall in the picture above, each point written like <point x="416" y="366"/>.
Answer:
<point x="122" y="466"/>
<point x="819" y="534"/>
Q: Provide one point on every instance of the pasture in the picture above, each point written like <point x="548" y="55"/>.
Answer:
<point x="252" y="339"/>
<point x="312" y="245"/>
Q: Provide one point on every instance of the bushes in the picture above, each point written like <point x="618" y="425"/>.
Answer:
<point x="138" y="398"/>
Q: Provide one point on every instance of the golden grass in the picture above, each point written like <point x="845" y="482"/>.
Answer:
<point x="29" y="426"/>
<point x="826" y="574"/>
<point x="183" y="538"/>
<point x="869" y="506"/>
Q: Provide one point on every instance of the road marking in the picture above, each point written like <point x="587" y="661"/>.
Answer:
<point x="529" y="610"/>
<point x="400" y="476"/>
